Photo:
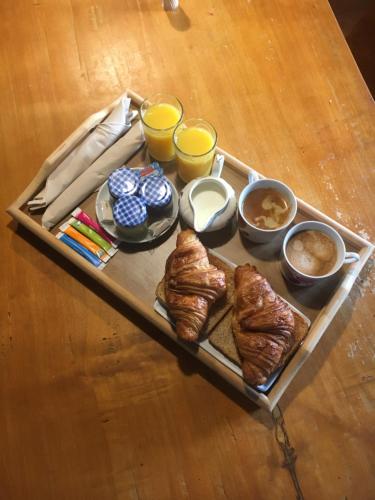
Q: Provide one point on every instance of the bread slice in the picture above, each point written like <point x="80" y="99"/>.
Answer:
<point x="223" y="340"/>
<point x="219" y="308"/>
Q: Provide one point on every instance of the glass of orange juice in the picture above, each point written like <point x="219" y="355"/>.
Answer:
<point x="160" y="114"/>
<point x="195" y="142"/>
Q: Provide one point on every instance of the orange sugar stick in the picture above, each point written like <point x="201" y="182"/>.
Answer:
<point x="80" y="238"/>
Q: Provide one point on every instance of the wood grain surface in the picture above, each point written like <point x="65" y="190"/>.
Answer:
<point x="95" y="402"/>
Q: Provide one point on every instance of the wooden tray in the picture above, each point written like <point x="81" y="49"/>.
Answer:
<point x="134" y="272"/>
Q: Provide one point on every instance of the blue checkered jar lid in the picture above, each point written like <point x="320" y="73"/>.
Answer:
<point x="156" y="192"/>
<point x="123" y="181"/>
<point x="129" y="211"/>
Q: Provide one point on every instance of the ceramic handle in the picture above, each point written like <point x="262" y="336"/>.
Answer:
<point x="218" y="165"/>
<point x="252" y="177"/>
<point x="351" y="257"/>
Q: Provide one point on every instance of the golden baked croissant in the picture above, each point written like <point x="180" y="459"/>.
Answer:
<point x="192" y="285"/>
<point x="263" y="325"/>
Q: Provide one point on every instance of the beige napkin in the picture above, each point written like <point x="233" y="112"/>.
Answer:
<point x="94" y="176"/>
<point x="81" y="157"/>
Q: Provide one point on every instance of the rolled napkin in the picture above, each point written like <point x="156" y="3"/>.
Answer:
<point x="90" y="149"/>
<point x="94" y="176"/>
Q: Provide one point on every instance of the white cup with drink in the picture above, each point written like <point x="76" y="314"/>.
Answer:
<point x="313" y="251"/>
<point x="266" y="208"/>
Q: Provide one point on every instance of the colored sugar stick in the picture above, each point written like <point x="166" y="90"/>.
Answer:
<point x="79" y="214"/>
<point x="90" y="245"/>
<point x="81" y="250"/>
<point x="92" y="235"/>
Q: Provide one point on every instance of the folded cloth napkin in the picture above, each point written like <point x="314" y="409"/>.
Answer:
<point x="94" y="176"/>
<point x="101" y="138"/>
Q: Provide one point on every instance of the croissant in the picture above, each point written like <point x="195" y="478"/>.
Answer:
<point x="263" y="325"/>
<point x="192" y="285"/>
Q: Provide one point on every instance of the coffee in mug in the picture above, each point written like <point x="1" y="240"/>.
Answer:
<point x="312" y="252"/>
<point x="266" y="208"/>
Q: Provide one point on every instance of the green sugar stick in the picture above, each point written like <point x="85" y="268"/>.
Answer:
<point x="92" y="235"/>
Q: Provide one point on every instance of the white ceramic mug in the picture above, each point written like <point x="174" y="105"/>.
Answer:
<point x="301" y="279"/>
<point x="254" y="233"/>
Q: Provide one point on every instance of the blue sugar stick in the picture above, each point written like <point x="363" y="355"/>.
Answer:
<point x="81" y="250"/>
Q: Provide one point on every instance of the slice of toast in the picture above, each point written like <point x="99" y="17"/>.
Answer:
<point x="223" y="340"/>
<point x="219" y="308"/>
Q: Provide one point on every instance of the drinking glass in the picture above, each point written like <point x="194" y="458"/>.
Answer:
<point x="195" y="142"/>
<point x="160" y="114"/>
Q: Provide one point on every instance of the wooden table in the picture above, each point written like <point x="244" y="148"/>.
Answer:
<point x="95" y="403"/>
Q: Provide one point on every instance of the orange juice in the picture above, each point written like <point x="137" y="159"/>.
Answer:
<point x="195" y="150"/>
<point x="159" y="121"/>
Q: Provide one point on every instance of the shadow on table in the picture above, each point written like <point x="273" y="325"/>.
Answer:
<point x="310" y="370"/>
<point x="178" y="19"/>
<point x="317" y="359"/>
<point x="187" y="364"/>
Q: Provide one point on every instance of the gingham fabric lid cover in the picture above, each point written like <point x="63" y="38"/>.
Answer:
<point x="156" y="191"/>
<point x="129" y="211"/>
<point x="123" y="181"/>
